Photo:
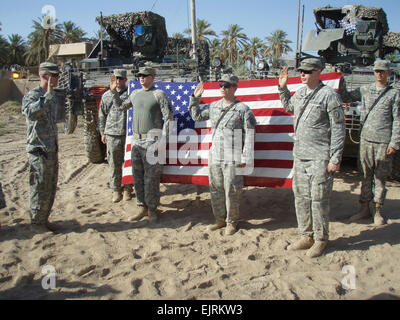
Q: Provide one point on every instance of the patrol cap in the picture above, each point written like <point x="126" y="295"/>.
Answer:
<point x="146" y="71"/>
<point x="120" y="73"/>
<point x="49" y="67"/>
<point x="381" y="65"/>
<point x="310" y="64"/>
<point x="230" y="78"/>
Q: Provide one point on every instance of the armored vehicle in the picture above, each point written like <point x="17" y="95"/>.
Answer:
<point x="136" y="39"/>
<point x="351" y="38"/>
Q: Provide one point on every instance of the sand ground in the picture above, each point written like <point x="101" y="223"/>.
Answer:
<point x="101" y="254"/>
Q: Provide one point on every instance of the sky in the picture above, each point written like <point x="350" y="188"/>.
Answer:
<point x="258" y="18"/>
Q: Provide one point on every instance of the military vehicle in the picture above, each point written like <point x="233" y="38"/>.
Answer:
<point x="136" y="39"/>
<point x="351" y="38"/>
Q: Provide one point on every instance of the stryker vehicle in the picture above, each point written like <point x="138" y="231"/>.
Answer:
<point x="351" y="38"/>
<point x="136" y="39"/>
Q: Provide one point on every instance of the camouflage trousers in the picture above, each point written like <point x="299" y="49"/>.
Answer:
<point x="43" y="176"/>
<point x="225" y="190"/>
<point x="115" y="158"/>
<point x="146" y="176"/>
<point x="312" y="188"/>
<point x="376" y="167"/>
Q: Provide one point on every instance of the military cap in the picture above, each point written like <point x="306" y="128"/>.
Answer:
<point x="230" y="78"/>
<point x="120" y="73"/>
<point x="381" y="65"/>
<point x="49" y="67"/>
<point x="310" y="64"/>
<point x="146" y="71"/>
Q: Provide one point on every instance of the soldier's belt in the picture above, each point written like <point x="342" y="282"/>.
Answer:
<point x="141" y="135"/>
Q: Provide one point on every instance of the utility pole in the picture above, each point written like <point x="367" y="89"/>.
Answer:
<point x="194" y="32"/>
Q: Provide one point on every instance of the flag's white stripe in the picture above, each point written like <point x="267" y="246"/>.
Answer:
<point x="203" y="171"/>
<point x="211" y="93"/>
<point x="261" y="120"/>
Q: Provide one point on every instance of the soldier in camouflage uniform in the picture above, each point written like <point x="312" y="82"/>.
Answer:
<point x="150" y="107"/>
<point x="227" y="116"/>
<point x="113" y="129"/>
<point x="380" y="137"/>
<point x="320" y="134"/>
<point x="39" y="108"/>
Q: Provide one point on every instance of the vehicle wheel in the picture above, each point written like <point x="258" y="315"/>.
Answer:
<point x="95" y="149"/>
<point x="396" y="166"/>
<point x="71" y="119"/>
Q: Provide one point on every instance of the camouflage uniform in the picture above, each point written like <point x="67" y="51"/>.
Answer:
<point x="113" y="124"/>
<point x="225" y="182"/>
<point x="379" y="131"/>
<point x="320" y="135"/>
<point x="150" y="107"/>
<point x="39" y="108"/>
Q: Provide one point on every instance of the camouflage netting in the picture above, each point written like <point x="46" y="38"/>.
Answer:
<point x="184" y="46"/>
<point x="120" y="27"/>
<point x="359" y="11"/>
<point x="392" y="39"/>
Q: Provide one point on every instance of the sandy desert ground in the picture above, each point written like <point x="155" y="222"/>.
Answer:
<point x="101" y="254"/>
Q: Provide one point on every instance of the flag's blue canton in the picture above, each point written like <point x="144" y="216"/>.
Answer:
<point x="179" y="94"/>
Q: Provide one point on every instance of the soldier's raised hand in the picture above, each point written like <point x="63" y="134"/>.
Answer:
<point x="199" y="90"/>
<point x="113" y="83"/>
<point x="283" y="77"/>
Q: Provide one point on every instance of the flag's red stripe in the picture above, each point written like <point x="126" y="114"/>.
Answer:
<point x="246" y="98"/>
<point x="266" y="128"/>
<point x="268" y="182"/>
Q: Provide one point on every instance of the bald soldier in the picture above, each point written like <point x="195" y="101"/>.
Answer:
<point x="39" y="108"/>
<point x="319" y="126"/>
<point x="112" y="125"/>
<point x="379" y="139"/>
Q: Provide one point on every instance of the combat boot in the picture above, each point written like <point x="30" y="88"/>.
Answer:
<point x="363" y="213"/>
<point x="317" y="249"/>
<point x="153" y="215"/>
<point x="117" y="196"/>
<point x="378" y="219"/>
<point x="305" y="242"/>
<point x="231" y="228"/>
<point x="142" y="213"/>
<point x="216" y="226"/>
<point x="127" y="195"/>
<point x="53" y="227"/>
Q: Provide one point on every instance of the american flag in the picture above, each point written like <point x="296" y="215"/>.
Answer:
<point x="273" y="157"/>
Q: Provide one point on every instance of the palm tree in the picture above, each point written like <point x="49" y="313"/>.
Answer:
<point x="178" y="35"/>
<point x="234" y="39"/>
<point x="39" y="42"/>
<point x="16" y="49"/>
<point x="203" y="30"/>
<point x="4" y="46"/>
<point x="277" y="45"/>
<point x="72" y="33"/>
<point x="215" y="49"/>
<point x="252" y="51"/>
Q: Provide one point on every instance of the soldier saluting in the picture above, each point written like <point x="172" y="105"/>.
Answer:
<point x="320" y="133"/>
<point x="380" y="137"/>
<point x="39" y="108"/>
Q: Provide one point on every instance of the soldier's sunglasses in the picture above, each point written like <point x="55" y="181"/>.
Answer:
<point x="143" y="75"/>
<point x="307" y="71"/>
<point x="120" y="78"/>
<point x="225" y="85"/>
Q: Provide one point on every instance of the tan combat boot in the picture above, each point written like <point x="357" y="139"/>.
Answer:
<point x="117" y="196"/>
<point x="153" y="215"/>
<point x="363" y="213"/>
<point x="216" y="226"/>
<point x="378" y="219"/>
<point x="305" y="242"/>
<point x="317" y="249"/>
<point x="127" y="195"/>
<point x="231" y="228"/>
<point x="142" y="213"/>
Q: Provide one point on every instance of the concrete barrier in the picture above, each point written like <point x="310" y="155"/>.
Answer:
<point x="15" y="89"/>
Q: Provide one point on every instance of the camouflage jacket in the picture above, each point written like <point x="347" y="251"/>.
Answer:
<point x="149" y="112"/>
<point x="320" y="132"/>
<point x="383" y="122"/>
<point x="39" y="108"/>
<point x="112" y="121"/>
<point x="239" y="117"/>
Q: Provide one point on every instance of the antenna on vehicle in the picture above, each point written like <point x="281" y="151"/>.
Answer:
<point x="297" y="41"/>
